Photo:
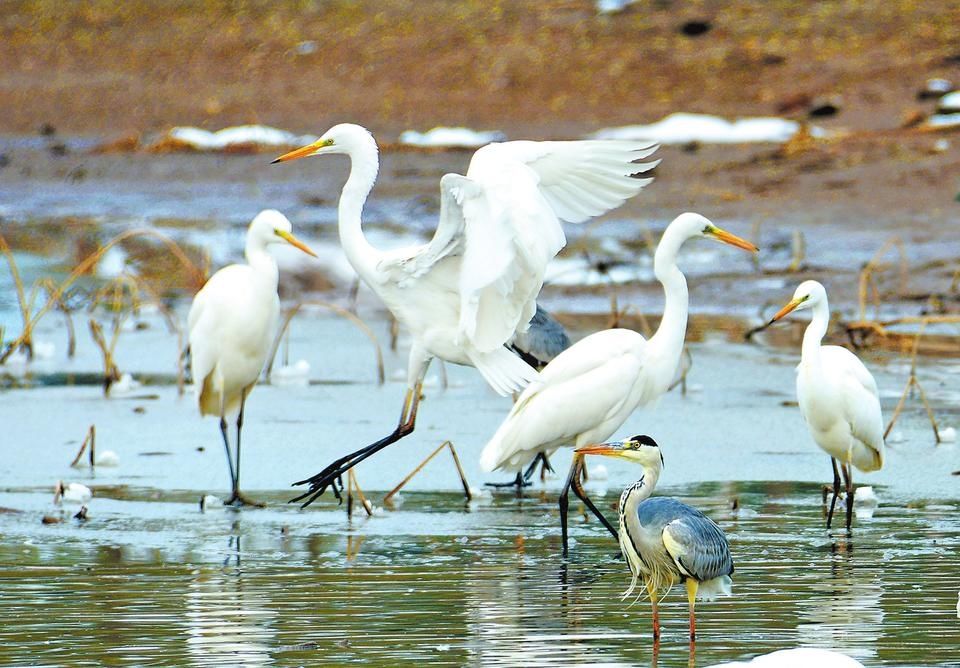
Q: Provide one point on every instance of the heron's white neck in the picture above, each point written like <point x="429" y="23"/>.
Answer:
<point x="261" y="261"/>
<point x="816" y="330"/>
<point x="669" y="337"/>
<point x="364" y="165"/>
<point x="639" y="491"/>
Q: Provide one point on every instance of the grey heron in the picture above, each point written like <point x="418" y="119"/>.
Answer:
<point x="464" y="295"/>
<point x="663" y="540"/>
<point x="589" y="390"/>
<point x="837" y="396"/>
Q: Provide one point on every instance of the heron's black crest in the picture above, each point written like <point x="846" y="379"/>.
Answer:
<point x="643" y="439"/>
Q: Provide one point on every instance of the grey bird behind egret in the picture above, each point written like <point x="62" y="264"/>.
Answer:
<point x="467" y="293"/>
<point x="838" y="397"/>
<point x="544" y="339"/>
<point x="231" y="327"/>
<point x="589" y="390"/>
<point x="663" y="540"/>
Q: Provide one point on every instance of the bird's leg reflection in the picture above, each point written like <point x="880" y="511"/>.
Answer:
<point x="692" y="661"/>
<point x="233" y="548"/>
<point x="331" y="476"/>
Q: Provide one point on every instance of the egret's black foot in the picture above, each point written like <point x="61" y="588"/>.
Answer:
<point x="519" y="482"/>
<point x="239" y="500"/>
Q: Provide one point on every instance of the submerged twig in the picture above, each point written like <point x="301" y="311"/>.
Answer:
<point x="456" y="460"/>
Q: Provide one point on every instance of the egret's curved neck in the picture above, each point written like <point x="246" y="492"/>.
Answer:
<point x="262" y="262"/>
<point x="668" y="339"/>
<point x="816" y="330"/>
<point x="364" y="165"/>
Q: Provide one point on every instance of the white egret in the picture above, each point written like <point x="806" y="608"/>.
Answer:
<point x="663" y="540"/>
<point x="589" y="390"/>
<point x="799" y="657"/>
<point x="465" y="295"/>
<point x="837" y="396"/>
<point x="231" y="326"/>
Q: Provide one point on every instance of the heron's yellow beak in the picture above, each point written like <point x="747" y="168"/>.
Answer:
<point x="303" y="151"/>
<point x="614" y="449"/>
<point x="732" y="239"/>
<point x="787" y="309"/>
<point x="296" y="243"/>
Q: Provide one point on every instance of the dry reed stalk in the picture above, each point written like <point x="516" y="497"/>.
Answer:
<point x="61" y="305"/>
<point x="91" y="440"/>
<point x="26" y="338"/>
<point x="84" y="266"/>
<point x="352" y="484"/>
<point x="456" y="460"/>
<point x="293" y="310"/>
<point x="872" y="266"/>
<point x="912" y="382"/>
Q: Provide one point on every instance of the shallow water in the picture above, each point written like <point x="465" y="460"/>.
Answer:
<point x="149" y="582"/>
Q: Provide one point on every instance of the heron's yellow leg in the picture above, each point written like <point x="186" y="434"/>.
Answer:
<point x="656" y="614"/>
<point x="692" y="586"/>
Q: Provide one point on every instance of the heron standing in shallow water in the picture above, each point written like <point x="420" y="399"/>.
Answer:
<point x="663" y="540"/>
<point x="838" y="397"/>
<point x="590" y="389"/>
<point x="231" y="326"/>
<point x="466" y="294"/>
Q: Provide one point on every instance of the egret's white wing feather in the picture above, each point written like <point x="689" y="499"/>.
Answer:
<point x="861" y="404"/>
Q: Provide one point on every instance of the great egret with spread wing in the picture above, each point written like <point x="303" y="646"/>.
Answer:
<point x="838" y="397"/>
<point x="231" y="326"/>
<point x="663" y="540"/>
<point x="464" y="295"/>
<point x="589" y="390"/>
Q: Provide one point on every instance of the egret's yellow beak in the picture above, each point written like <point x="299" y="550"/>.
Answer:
<point x="296" y="243"/>
<point x="787" y="309"/>
<point x="614" y="449"/>
<point x="303" y="151"/>
<point x="732" y="239"/>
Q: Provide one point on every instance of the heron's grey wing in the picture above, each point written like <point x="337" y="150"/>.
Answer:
<point x="544" y="339"/>
<point x="696" y="544"/>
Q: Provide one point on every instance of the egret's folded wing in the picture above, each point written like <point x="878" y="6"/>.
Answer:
<point x="861" y="403"/>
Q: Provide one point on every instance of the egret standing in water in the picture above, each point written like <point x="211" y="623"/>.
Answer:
<point x="663" y="540"/>
<point x="231" y="327"/>
<point x="838" y="397"/>
<point x="466" y="294"/>
<point x="589" y="390"/>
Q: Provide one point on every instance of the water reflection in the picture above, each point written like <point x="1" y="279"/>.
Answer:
<point x="227" y="622"/>
<point x="843" y="611"/>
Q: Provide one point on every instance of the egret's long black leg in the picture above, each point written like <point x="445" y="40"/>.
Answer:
<point x="564" y="500"/>
<point x="236" y="497"/>
<point x="848" y="481"/>
<point x="582" y="495"/>
<point x="331" y="475"/>
<point x="226" y="445"/>
<point x="836" y="491"/>
<point x="540" y="458"/>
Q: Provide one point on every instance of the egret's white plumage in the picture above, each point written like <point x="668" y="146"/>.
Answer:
<point x="837" y="395"/>
<point x="663" y="540"/>
<point x="589" y="390"/>
<point x="465" y="295"/>
<point x="231" y="327"/>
